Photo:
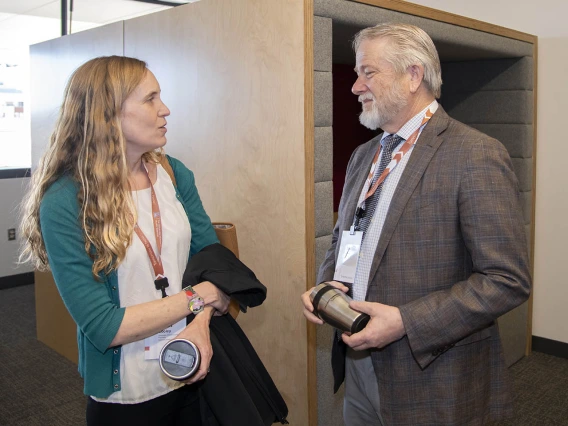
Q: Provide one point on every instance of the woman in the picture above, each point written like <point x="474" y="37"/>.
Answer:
<point x="105" y="217"/>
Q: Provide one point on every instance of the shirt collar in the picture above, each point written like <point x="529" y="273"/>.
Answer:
<point x="414" y="123"/>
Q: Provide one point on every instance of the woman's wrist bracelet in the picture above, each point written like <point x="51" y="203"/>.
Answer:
<point x="195" y="303"/>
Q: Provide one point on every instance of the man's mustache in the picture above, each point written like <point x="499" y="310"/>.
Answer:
<point x="367" y="96"/>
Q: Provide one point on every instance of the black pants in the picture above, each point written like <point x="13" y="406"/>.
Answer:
<point x="176" y="408"/>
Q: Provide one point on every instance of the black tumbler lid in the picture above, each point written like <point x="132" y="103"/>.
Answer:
<point x="360" y="323"/>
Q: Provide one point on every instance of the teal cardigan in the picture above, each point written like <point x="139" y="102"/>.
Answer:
<point x="95" y="305"/>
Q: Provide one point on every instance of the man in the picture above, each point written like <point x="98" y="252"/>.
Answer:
<point x="441" y="249"/>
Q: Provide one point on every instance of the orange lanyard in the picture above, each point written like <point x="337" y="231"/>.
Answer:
<point x="393" y="163"/>
<point x="160" y="281"/>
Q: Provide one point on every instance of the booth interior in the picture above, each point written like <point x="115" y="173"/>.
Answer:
<point x="487" y="84"/>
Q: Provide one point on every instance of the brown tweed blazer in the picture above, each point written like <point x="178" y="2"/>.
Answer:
<point x="453" y="257"/>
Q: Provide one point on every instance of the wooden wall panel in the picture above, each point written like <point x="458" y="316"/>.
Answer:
<point x="52" y="62"/>
<point x="232" y="74"/>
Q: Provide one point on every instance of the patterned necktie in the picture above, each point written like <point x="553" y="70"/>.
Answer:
<point x="389" y="144"/>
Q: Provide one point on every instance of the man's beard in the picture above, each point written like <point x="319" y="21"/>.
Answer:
<point x="384" y="110"/>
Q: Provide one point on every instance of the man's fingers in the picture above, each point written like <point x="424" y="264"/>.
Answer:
<point x="354" y="340"/>
<point x="361" y="347"/>
<point x="306" y="301"/>
<point x="364" y="307"/>
<point x="312" y="318"/>
<point x="339" y="285"/>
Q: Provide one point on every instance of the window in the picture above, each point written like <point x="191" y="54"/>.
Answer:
<point x="23" y="23"/>
<point x="15" y="143"/>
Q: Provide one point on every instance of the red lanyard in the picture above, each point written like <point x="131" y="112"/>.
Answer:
<point x="395" y="160"/>
<point x="160" y="281"/>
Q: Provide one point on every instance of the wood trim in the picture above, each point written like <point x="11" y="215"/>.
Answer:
<point x="450" y="18"/>
<point x="310" y="200"/>
<point x="533" y="214"/>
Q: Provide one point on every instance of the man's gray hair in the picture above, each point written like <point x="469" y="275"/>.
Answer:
<point x="408" y="45"/>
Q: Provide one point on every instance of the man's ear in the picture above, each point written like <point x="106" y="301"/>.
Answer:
<point x="416" y="73"/>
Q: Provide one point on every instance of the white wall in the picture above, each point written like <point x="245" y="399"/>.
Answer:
<point x="11" y="191"/>
<point x="545" y="19"/>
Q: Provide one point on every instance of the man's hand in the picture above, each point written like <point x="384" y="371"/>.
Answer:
<point x="198" y="332"/>
<point x="385" y="326"/>
<point x="308" y="307"/>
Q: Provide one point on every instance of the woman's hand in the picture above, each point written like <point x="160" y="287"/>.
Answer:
<point x="213" y="297"/>
<point x="198" y="333"/>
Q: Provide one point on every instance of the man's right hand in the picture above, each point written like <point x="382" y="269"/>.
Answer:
<point x="309" y="308"/>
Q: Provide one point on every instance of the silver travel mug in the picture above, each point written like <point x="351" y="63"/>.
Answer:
<point x="179" y="359"/>
<point x="332" y="306"/>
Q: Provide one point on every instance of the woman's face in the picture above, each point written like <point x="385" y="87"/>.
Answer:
<point x="143" y="118"/>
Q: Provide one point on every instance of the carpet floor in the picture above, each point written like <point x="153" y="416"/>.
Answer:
<point x="39" y="387"/>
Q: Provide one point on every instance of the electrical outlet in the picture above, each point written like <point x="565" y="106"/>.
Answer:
<point x="11" y="234"/>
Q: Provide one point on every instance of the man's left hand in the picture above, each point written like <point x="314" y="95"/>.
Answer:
<point x="385" y="326"/>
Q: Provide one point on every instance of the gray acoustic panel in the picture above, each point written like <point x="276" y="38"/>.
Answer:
<point x="523" y="169"/>
<point x="453" y="42"/>
<point x="322" y="246"/>
<point x="502" y="107"/>
<point x="323" y="154"/>
<point x="526" y="198"/>
<point x="324" y="208"/>
<point x="494" y="74"/>
<point x="330" y="405"/>
<point x="322" y="43"/>
<point x="323" y="99"/>
<point x="517" y="138"/>
<point x="511" y="325"/>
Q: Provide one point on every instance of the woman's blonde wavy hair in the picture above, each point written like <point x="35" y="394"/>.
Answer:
<point x="88" y="145"/>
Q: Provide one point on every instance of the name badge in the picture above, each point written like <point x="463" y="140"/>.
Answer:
<point x="154" y="344"/>
<point x="346" y="263"/>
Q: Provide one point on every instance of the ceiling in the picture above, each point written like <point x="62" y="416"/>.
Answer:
<point x="25" y="22"/>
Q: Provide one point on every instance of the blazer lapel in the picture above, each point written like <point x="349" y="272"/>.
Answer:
<point x="422" y="154"/>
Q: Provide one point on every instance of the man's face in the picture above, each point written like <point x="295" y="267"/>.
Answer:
<point x="382" y="92"/>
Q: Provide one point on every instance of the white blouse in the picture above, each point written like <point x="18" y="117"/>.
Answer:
<point x="143" y="380"/>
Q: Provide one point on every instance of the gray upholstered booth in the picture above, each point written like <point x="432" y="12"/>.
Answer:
<point x="488" y="84"/>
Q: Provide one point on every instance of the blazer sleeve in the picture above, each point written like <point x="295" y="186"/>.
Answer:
<point x="202" y="232"/>
<point x="87" y="300"/>
<point x="492" y="230"/>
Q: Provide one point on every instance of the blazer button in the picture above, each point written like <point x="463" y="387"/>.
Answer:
<point x="116" y="386"/>
<point x="115" y="371"/>
<point x="115" y="351"/>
